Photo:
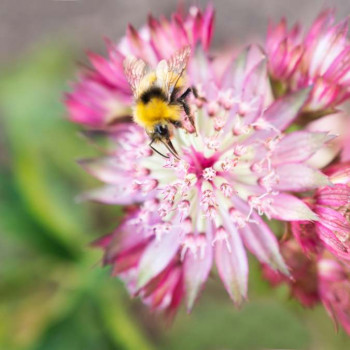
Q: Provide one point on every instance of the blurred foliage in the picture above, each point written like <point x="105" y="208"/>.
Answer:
<point x="53" y="294"/>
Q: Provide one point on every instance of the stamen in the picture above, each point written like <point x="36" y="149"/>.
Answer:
<point x="169" y="192"/>
<point x="219" y="122"/>
<point x="240" y="129"/>
<point x="213" y="142"/>
<point x="161" y="229"/>
<point x="209" y="174"/>
<point x="269" y="181"/>
<point x="222" y="235"/>
<point x="228" y="164"/>
<point x="227" y="190"/>
<point x="164" y="208"/>
<point x="149" y="185"/>
<point x="225" y="98"/>
<point x="184" y="208"/>
<point x="213" y="108"/>
<point x="261" y="203"/>
<point x="238" y="218"/>
<point x="239" y="150"/>
<point x="193" y="244"/>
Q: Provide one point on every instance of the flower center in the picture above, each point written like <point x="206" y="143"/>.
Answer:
<point x="199" y="165"/>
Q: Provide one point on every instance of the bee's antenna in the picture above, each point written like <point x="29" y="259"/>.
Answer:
<point x="169" y="145"/>
<point x="155" y="150"/>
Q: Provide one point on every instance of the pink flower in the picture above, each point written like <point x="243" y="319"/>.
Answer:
<point x="334" y="289"/>
<point x="205" y="208"/>
<point x="314" y="279"/>
<point x="303" y="279"/>
<point x="331" y="204"/>
<point x="102" y="96"/>
<point x="320" y="58"/>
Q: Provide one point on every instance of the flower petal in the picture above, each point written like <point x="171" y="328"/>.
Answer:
<point x="298" y="146"/>
<point x="290" y="208"/>
<point x="157" y="256"/>
<point x="284" y="110"/>
<point x="299" y="177"/>
<point x="333" y="244"/>
<point x="335" y="196"/>
<point x="261" y="241"/>
<point x="334" y="221"/>
<point x="105" y="169"/>
<point x="114" y="195"/>
<point x="232" y="263"/>
<point x="196" y="271"/>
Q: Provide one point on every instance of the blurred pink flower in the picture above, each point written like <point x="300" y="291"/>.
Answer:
<point x="334" y="289"/>
<point x="303" y="279"/>
<point x="316" y="278"/>
<point x="331" y="204"/>
<point x="206" y="207"/>
<point x="102" y="95"/>
<point x="320" y="58"/>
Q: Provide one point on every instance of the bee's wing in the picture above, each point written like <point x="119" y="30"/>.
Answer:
<point x="169" y="72"/>
<point x="135" y="70"/>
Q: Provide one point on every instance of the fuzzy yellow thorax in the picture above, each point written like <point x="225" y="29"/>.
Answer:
<point x="156" y="111"/>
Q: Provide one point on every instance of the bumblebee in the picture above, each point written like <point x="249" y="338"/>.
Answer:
<point x="159" y="103"/>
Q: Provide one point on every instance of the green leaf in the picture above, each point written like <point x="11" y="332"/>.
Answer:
<point x="118" y="321"/>
<point x="44" y="146"/>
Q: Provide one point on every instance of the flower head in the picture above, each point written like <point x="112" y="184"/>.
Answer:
<point x="205" y="207"/>
<point x="303" y="281"/>
<point x="331" y="204"/>
<point x="334" y="289"/>
<point x="320" y="58"/>
<point x="316" y="278"/>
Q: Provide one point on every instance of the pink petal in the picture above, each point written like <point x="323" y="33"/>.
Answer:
<point x="208" y="26"/>
<point x="104" y="169"/>
<point x="305" y="234"/>
<point x="157" y="256"/>
<point x="298" y="146"/>
<point x="232" y="263"/>
<point x="255" y="83"/>
<point x="335" y="196"/>
<point x="339" y="173"/>
<point x="114" y="195"/>
<point x="299" y="177"/>
<point x="196" y="271"/>
<point x="103" y="242"/>
<point x="333" y="244"/>
<point x="261" y="241"/>
<point x="282" y="112"/>
<point x="290" y="208"/>
<point x="334" y="221"/>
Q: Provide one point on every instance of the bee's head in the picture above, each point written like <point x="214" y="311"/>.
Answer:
<point x="162" y="133"/>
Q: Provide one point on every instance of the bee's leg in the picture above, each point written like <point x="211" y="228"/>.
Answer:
<point x="176" y="123"/>
<point x="187" y="110"/>
<point x="185" y="94"/>
<point x="195" y="94"/>
<point x="155" y="150"/>
<point x="194" y="91"/>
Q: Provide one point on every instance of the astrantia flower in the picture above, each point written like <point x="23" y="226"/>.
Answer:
<point x="334" y="289"/>
<point x="303" y="281"/>
<point x="205" y="207"/>
<point x="332" y="205"/>
<point x="316" y="278"/>
<point x="102" y="95"/>
<point x="320" y="58"/>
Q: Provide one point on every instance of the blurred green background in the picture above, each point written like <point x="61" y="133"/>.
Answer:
<point x="53" y="293"/>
